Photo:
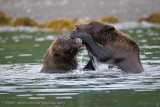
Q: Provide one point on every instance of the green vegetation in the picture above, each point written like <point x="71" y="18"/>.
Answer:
<point x="79" y="21"/>
<point x="109" y="19"/>
<point x="66" y="24"/>
<point x="62" y="24"/>
<point x="25" y="21"/>
<point x="153" y="18"/>
<point x="4" y="19"/>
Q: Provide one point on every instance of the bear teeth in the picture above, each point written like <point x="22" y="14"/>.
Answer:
<point x="78" y="41"/>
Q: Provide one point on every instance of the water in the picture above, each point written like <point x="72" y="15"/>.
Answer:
<point x="21" y="84"/>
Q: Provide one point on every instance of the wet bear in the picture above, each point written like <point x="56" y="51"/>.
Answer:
<point x="61" y="55"/>
<point x="114" y="47"/>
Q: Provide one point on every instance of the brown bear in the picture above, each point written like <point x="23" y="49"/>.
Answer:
<point x="61" y="55"/>
<point x="116" y="47"/>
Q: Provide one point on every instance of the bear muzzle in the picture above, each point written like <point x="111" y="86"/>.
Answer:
<point x="80" y="45"/>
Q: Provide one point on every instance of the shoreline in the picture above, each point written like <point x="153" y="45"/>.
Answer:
<point x="44" y="11"/>
<point x="125" y="25"/>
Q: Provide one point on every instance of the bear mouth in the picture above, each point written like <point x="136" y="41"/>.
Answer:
<point x="80" y="46"/>
<point x="77" y="27"/>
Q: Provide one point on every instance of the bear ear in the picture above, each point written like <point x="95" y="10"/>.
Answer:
<point x="109" y="28"/>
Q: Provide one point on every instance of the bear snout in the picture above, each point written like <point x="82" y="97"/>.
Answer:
<point x="78" y="41"/>
<point x="77" y="25"/>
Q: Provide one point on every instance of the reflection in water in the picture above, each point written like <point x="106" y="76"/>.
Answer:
<point x="21" y="56"/>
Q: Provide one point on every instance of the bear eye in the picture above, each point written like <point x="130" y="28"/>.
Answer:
<point x="55" y="54"/>
<point x="91" y="23"/>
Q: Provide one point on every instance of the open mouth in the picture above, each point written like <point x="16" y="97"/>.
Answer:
<point x="80" y="45"/>
<point x="78" y="40"/>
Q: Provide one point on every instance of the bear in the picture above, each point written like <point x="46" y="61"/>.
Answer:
<point x="107" y="44"/>
<point x="61" y="55"/>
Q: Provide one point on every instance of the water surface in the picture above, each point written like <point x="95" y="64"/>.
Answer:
<point x="21" y="84"/>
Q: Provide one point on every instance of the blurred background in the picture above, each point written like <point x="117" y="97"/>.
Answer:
<point x="46" y="10"/>
<point x="24" y="39"/>
<point x="39" y="12"/>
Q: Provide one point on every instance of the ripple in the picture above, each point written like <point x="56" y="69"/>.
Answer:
<point x="148" y="53"/>
<point x="85" y="81"/>
<point x="2" y="49"/>
<point x="8" y="57"/>
<point x="39" y="39"/>
<point x="23" y="80"/>
<point x="36" y="45"/>
<point x="22" y="28"/>
<point x="151" y="61"/>
<point x="67" y="97"/>
<point x="145" y="46"/>
<point x="24" y="95"/>
<point x="25" y="55"/>
<point x="143" y="40"/>
<point x="4" y="93"/>
<point x="32" y="98"/>
<point x="57" y="94"/>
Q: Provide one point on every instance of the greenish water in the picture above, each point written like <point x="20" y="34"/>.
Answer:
<point x="21" y="84"/>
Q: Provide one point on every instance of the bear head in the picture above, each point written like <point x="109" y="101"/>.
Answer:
<point x="97" y="30"/>
<point x="65" y="46"/>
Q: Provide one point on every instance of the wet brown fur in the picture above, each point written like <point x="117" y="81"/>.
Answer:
<point x="61" y="55"/>
<point x="125" y="51"/>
